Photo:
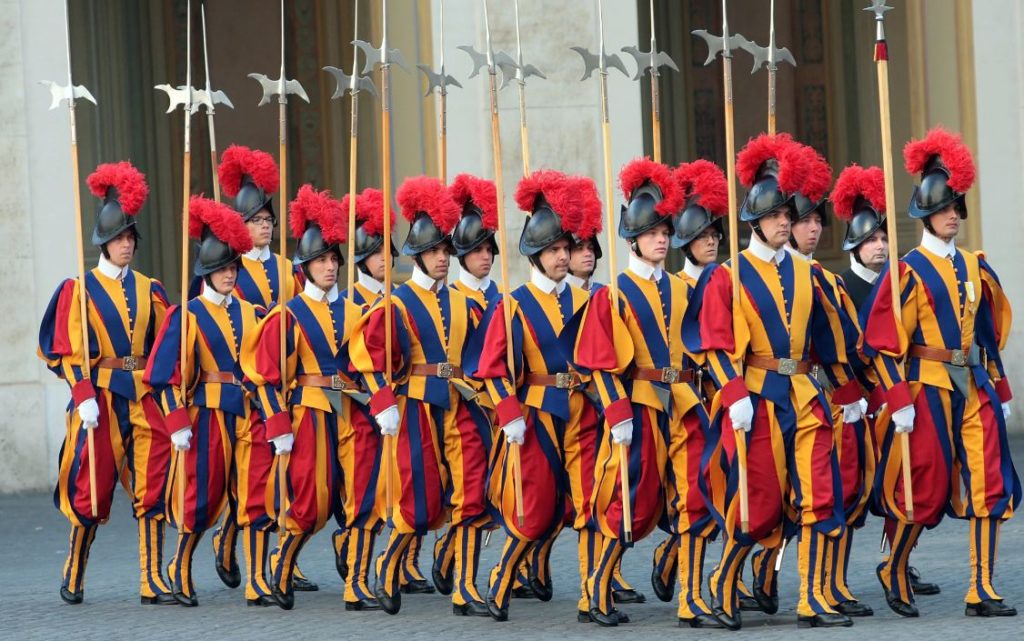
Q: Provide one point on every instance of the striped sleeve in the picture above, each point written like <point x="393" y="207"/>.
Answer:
<point x="60" y="340"/>
<point x="491" y="364"/>
<point x="992" y="326"/>
<point x="723" y="345"/>
<point x="163" y="369"/>
<point x="885" y="341"/>
<point x="367" y="352"/>
<point x="261" y="365"/>
<point x="604" y="347"/>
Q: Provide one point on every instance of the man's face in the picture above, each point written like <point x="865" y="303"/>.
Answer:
<point x="435" y="261"/>
<point x="704" y="247"/>
<point x="874" y="251"/>
<point x="223" y="279"/>
<point x="653" y="243"/>
<point x="555" y="260"/>
<point x="261" y="228"/>
<point x="375" y="264"/>
<point x="776" y="228"/>
<point x="323" y="270"/>
<point x="479" y="261"/>
<point x="122" y="248"/>
<point x="583" y="259"/>
<point x="807" y="233"/>
<point x="946" y="222"/>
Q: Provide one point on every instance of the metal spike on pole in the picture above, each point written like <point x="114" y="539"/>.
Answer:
<point x="725" y="44"/>
<point x="600" y="62"/>
<point x="769" y="57"/>
<point x="209" y="98"/>
<point x="70" y="93"/>
<point x="878" y="7"/>
<point x="649" y="61"/>
<point x="440" y="81"/>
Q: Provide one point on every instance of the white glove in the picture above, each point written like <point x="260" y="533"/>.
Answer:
<point x="741" y="413"/>
<point x="388" y="421"/>
<point x="1007" y="412"/>
<point x="515" y="432"/>
<point x="854" y="411"/>
<point x="181" y="439"/>
<point x="903" y="419"/>
<point x="89" y="412"/>
<point x="283" y="444"/>
<point x="622" y="433"/>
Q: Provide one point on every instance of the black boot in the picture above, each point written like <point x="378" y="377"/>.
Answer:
<point x="471" y="609"/>
<point x="854" y="609"/>
<point x="390" y="603"/>
<point x="700" y="621"/>
<point x="498" y="614"/>
<point x="362" y="605"/>
<point x="824" y="620"/>
<point x="990" y="608"/>
<point x="893" y="600"/>
<point x="224" y="549"/>
<point x="920" y="586"/>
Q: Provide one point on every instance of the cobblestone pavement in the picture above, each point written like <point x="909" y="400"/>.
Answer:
<point x="34" y="543"/>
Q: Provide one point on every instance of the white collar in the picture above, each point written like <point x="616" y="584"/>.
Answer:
<point x="937" y="246"/>
<point x="261" y="254"/>
<point x="545" y="284"/>
<point x="576" y="281"/>
<point x="645" y="270"/>
<point x="215" y="297"/>
<point x="798" y="254"/>
<point x="110" y="270"/>
<point x="692" y="270"/>
<point x="761" y="250"/>
<point x="862" y="271"/>
<point x="422" y="279"/>
<point x="369" y="282"/>
<point x="317" y="294"/>
<point x="472" y="282"/>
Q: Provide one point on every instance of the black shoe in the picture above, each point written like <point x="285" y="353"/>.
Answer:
<point x="164" y="598"/>
<point x="341" y="565"/>
<point x="390" y="603"/>
<point x="628" y="596"/>
<point x="824" y="620"/>
<point x="990" y="608"/>
<point x="362" y="604"/>
<point x="700" y="621"/>
<point x="417" y="586"/>
<point x="302" y="584"/>
<point x="444" y="582"/>
<point x="231" y="576"/>
<point x="471" y="609"/>
<point x="260" y="602"/>
<point x="920" y="586"/>
<point x="186" y="600"/>
<point x="729" y="622"/>
<point x="523" y="592"/>
<point x="609" y="620"/>
<point x="73" y="598"/>
<point x="767" y="603"/>
<point x="854" y="609"/>
<point x="543" y="590"/>
<point x="893" y="600"/>
<point x="285" y="600"/>
<point x="498" y="614"/>
<point x="749" y="604"/>
<point x="662" y="590"/>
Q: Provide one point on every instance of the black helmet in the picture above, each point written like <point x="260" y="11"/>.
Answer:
<point x="312" y="244"/>
<point x="865" y="222"/>
<point x="811" y="197"/>
<point x="249" y="176"/>
<point x="123" y="190"/>
<point x="947" y="172"/>
<point x="423" y="235"/>
<point x="366" y="245"/>
<point x="934" y="192"/>
<point x="653" y="196"/>
<point x="369" y="223"/>
<point x="859" y="199"/>
<point x="772" y="168"/>
<point x="318" y="223"/>
<point x="479" y="202"/>
<point x="251" y="200"/>
<point x="691" y="223"/>
<point x="542" y="228"/>
<point x="213" y="254"/>
<point x="471" y="233"/>
<point x="217" y="249"/>
<point x="431" y="212"/>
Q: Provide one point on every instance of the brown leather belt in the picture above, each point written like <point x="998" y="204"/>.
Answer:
<point x="784" y="366"/>
<point x="224" y="378"/>
<point x="669" y="375"/>
<point x="337" y="382"/>
<point x="440" y="370"/>
<point x="128" y="363"/>
<point x="956" y="357"/>
<point x="561" y="380"/>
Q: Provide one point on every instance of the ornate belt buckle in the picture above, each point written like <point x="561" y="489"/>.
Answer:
<point x="563" y="380"/>
<point x="669" y="375"/>
<point x="130" y="363"/>
<point x="444" y="370"/>
<point x="337" y="383"/>
<point x="787" y="366"/>
<point x="958" y="358"/>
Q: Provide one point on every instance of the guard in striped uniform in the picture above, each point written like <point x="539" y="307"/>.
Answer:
<point x="441" y="437"/>
<point x="535" y="403"/>
<point x="216" y="402"/>
<point x="944" y="382"/>
<point x="769" y="397"/>
<point x="306" y="423"/>
<point x="125" y="309"/>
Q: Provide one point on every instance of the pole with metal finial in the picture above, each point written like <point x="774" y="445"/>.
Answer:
<point x="522" y="72"/>
<point x="600" y="63"/>
<point x="211" y="98"/>
<point x="724" y="44"/>
<point x="650" y="61"/>
<point x="72" y="92"/>
<point x="878" y="7"/>
<point x="769" y="56"/>
<point x="440" y="82"/>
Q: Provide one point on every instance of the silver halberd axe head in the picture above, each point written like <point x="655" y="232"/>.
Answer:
<point x="511" y="70"/>
<point x="281" y="88"/>
<point x="718" y="44"/>
<point x="763" y="55"/>
<point x="375" y="56"/>
<point x="643" y="61"/>
<point x="593" y="62"/>
<point x="439" y="81"/>
<point x="180" y="96"/>
<point x="345" y="83"/>
<point x="68" y="92"/>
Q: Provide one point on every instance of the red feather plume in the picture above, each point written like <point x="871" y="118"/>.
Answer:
<point x="129" y="182"/>
<point x="237" y="161"/>
<point x="636" y="172"/>
<point x="857" y="181"/>
<point x="312" y="206"/>
<point x="535" y="185"/>
<point x="706" y="181"/>
<point x="819" y="175"/>
<point x="791" y="160"/>
<point x="578" y="204"/>
<point x="428" y="195"/>
<point x="482" y="192"/>
<point x="222" y="220"/>
<point x="951" y="149"/>
<point x="370" y="211"/>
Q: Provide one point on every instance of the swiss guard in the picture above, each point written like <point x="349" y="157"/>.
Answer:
<point x="125" y="310"/>
<point x="944" y="382"/>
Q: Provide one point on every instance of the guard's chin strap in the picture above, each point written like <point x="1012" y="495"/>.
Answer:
<point x="361" y="266"/>
<point x="418" y="259"/>
<point x="689" y="254"/>
<point x="756" y="227"/>
<point x="635" y="248"/>
<point x="535" y="261"/>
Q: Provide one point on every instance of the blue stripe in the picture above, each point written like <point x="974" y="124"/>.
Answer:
<point x="433" y="349"/>
<point x="761" y="296"/>
<point x="648" y="319"/>
<point x="315" y="336"/>
<point x="948" y="318"/>
<point x="111" y="317"/>
<point x="247" y="287"/>
<point x="413" y="431"/>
